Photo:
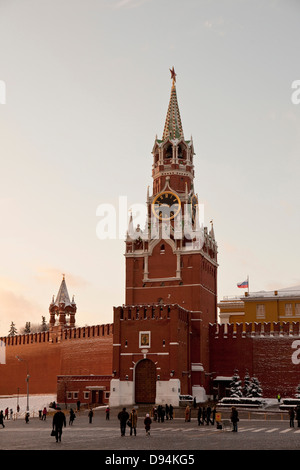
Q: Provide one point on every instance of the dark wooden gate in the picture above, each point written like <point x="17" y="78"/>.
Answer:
<point x="145" y="382"/>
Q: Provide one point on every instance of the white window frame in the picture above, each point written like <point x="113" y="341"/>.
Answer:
<point x="260" y="311"/>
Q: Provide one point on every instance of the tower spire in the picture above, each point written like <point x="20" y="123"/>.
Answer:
<point x="62" y="307"/>
<point x="173" y="126"/>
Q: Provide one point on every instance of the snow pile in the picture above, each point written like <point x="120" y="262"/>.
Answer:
<point x="36" y="403"/>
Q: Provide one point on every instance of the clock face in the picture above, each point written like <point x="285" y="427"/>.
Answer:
<point x="166" y="205"/>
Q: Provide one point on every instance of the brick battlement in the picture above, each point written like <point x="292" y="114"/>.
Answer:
<point x="147" y="312"/>
<point x="242" y="330"/>
<point x="65" y="334"/>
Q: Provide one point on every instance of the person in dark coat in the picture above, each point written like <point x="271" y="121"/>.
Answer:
<point x="208" y="413"/>
<point x="171" y="411"/>
<point x="234" y="418"/>
<point x="2" y="419"/>
<point x="159" y="408"/>
<point x="213" y="412"/>
<point x="203" y="414"/>
<point x="91" y="414"/>
<point x="167" y="411"/>
<point x="292" y="417"/>
<point x="298" y="415"/>
<point x="59" y="420"/>
<point x="162" y="414"/>
<point x="72" y="417"/>
<point x="123" y="417"/>
<point x="147" y="423"/>
<point x="199" y="416"/>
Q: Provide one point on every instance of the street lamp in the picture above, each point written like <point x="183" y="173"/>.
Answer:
<point x="27" y="380"/>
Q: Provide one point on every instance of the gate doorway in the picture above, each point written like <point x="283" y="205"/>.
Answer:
<point x="97" y="397"/>
<point x="145" y="382"/>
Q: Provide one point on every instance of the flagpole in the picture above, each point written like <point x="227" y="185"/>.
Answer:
<point x="248" y="282"/>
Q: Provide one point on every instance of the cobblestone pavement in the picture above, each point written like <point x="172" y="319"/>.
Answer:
<point x="175" y="435"/>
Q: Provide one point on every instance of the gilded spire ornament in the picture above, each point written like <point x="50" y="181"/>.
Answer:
<point x="173" y="76"/>
<point x="173" y="126"/>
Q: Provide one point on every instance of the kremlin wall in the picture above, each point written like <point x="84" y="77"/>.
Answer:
<point x="46" y="356"/>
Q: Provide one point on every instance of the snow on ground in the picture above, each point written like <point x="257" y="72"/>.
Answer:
<point x="36" y="403"/>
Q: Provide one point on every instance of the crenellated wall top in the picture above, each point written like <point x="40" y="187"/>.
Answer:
<point x="104" y="330"/>
<point x="254" y="329"/>
<point x="155" y="312"/>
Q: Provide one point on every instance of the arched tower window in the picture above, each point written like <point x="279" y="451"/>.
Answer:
<point x="168" y="152"/>
<point x="182" y="152"/>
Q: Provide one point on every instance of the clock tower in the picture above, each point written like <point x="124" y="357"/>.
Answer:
<point x="171" y="263"/>
<point x="174" y="259"/>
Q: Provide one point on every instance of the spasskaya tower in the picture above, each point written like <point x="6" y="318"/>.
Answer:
<point x="174" y="259"/>
<point x="171" y="263"/>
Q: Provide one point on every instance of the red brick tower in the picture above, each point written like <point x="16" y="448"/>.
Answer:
<point x="173" y="261"/>
<point x="63" y="308"/>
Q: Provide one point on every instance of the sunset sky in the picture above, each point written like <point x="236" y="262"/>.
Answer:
<point x="87" y="90"/>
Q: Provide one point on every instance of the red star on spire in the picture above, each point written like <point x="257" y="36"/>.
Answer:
<point x="173" y="75"/>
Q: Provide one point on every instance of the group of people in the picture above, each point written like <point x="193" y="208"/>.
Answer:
<point x="130" y="419"/>
<point x="160" y="413"/>
<point x="9" y="414"/>
<point x="206" y="415"/>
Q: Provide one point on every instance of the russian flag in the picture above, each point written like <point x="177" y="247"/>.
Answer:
<point x="243" y="284"/>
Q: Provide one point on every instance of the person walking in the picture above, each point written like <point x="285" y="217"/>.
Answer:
<point x="298" y="415"/>
<point x="107" y="413"/>
<point x="159" y="408"/>
<point x="123" y="418"/>
<point x="167" y="411"/>
<point x="214" y="411"/>
<point x="199" y="416"/>
<point x="26" y="417"/>
<point x="2" y="419"/>
<point x="44" y="414"/>
<point x="147" y="423"/>
<point x="208" y="413"/>
<point x="292" y="417"/>
<point x="71" y="417"/>
<point x="171" y="410"/>
<point x="234" y="418"/>
<point x="91" y="414"/>
<point x="59" y="420"/>
<point x="162" y="414"/>
<point x="187" y="414"/>
<point x="203" y="415"/>
<point x="133" y="420"/>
